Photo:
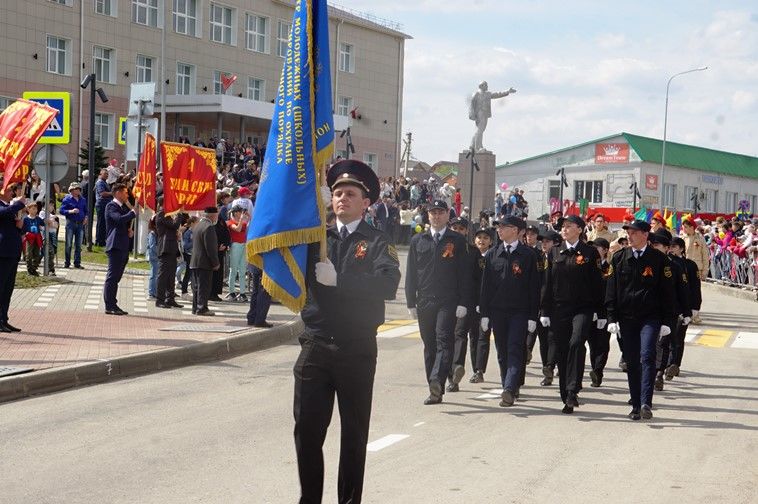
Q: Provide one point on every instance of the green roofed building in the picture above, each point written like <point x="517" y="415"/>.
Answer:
<point x="603" y="172"/>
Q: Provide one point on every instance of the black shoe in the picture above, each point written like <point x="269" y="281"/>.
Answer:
<point x="4" y="328"/>
<point x="458" y="373"/>
<point x="634" y="415"/>
<point x="263" y="324"/>
<point x="158" y="304"/>
<point x="78" y="266"/>
<point x="205" y="313"/>
<point x="658" y="383"/>
<point x="117" y="311"/>
<point x="453" y="387"/>
<point x="567" y="410"/>
<point x="623" y="366"/>
<point x="173" y="304"/>
<point x="572" y="400"/>
<point x="12" y="328"/>
<point x="629" y="402"/>
<point x="671" y="372"/>
<point x="547" y="381"/>
<point x="435" y="388"/>
<point x="477" y="377"/>
<point x="507" y="398"/>
<point x="67" y="266"/>
<point x="647" y="412"/>
<point x="596" y="378"/>
<point x="432" y="399"/>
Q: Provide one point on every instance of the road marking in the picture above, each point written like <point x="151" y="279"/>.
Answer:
<point x="398" y="331"/>
<point x="90" y="307"/>
<point x="715" y="338"/>
<point x="40" y="305"/>
<point x="389" y="324"/>
<point x="140" y="310"/>
<point x="491" y="394"/>
<point x="419" y="424"/>
<point x="382" y="443"/>
<point x="746" y="340"/>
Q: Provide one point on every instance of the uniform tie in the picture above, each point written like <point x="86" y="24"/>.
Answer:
<point x="437" y="237"/>
<point x="343" y="232"/>
<point x="637" y="254"/>
<point x="508" y="250"/>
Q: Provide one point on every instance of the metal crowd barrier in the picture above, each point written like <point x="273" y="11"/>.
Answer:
<point x="728" y="267"/>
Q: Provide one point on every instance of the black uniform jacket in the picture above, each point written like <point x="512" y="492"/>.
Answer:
<point x="605" y="272"/>
<point x="682" y="305"/>
<point x="438" y="273"/>
<point x="573" y="281"/>
<point x="476" y="267"/>
<point x="368" y="273"/>
<point x="641" y="289"/>
<point x="511" y="283"/>
<point x="693" y="283"/>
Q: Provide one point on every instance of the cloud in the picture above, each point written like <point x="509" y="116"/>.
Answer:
<point x="743" y="100"/>
<point x="610" y="40"/>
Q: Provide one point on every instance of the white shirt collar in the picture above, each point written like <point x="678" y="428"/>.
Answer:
<point x="570" y="246"/>
<point x="642" y="250"/>
<point x="118" y="202"/>
<point x="513" y="245"/>
<point x="351" y="226"/>
<point x="433" y="231"/>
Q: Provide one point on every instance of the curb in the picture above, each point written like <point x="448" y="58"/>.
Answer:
<point x="733" y="291"/>
<point x="60" y="378"/>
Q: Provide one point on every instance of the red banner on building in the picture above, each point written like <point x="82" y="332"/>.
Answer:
<point x="189" y="177"/>
<point x="651" y="182"/>
<point x="227" y="80"/>
<point x="21" y="126"/>
<point x="145" y="186"/>
<point x="611" y="153"/>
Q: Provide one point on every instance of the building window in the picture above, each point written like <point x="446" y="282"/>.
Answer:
<point x="730" y="205"/>
<point x="106" y="7"/>
<point x="103" y="61"/>
<point x="187" y="131"/>
<point x="282" y="38"/>
<point x="145" y="68"/>
<point x="256" y="89"/>
<point x="63" y="2"/>
<point x="371" y="160"/>
<point x="256" y="33"/>
<point x="340" y="154"/>
<point x="347" y="58"/>
<point x="185" y="17"/>
<point x="145" y="12"/>
<point x="752" y="199"/>
<point x="218" y="86"/>
<point x="185" y="79"/>
<point x="58" y="57"/>
<point x="344" y="105"/>
<point x="553" y="189"/>
<point x="711" y="200"/>
<point x="5" y="102"/>
<point x="689" y="197"/>
<point x="221" y="24"/>
<point x="591" y="190"/>
<point x="104" y="130"/>
<point x="669" y="195"/>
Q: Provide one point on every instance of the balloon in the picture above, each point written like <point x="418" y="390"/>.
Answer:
<point x="419" y="228"/>
<point x="504" y="186"/>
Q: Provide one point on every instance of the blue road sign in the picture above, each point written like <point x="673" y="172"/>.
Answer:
<point x="59" y="131"/>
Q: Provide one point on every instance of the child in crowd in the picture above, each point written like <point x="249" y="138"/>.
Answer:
<point x="32" y="231"/>
<point x="151" y="253"/>
<point x="51" y="225"/>
<point x="238" y="261"/>
<point x="183" y="271"/>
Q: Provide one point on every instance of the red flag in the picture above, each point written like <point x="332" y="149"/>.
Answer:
<point x="145" y="186"/>
<point x="21" y="126"/>
<point x="189" y="177"/>
<point x="227" y="80"/>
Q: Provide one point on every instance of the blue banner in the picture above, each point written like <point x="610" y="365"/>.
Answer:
<point x="289" y="212"/>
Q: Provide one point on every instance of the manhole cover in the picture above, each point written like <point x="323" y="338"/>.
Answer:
<point x="10" y="371"/>
<point x="202" y="328"/>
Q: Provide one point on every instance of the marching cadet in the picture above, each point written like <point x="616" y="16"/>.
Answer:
<point x="438" y="290"/>
<point x="532" y="238"/>
<point x="344" y="307"/>
<point x="571" y="300"/>
<point x="550" y="239"/>
<point x="639" y="299"/>
<point x="600" y="338"/>
<point x="480" y="346"/>
<point x="467" y="326"/>
<point x="509" y="301"/>
<point x="661" y="241"/>
<point x="695" y="299"/>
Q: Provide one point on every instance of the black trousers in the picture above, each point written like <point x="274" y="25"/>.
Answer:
<point x="187" y="273"/>
<point x="436" y="323"/>
<point x="480" y="345"/>
<point x="677" y="345"/>
<point x="218" y="275"/>
<point x="464" y="329"/>
<point x="600" y="345"/>
<point x="321" y="371"/>
<point x="117" y="260"/>
<point x="8" y="268"/>
<point x="164" y="290"/>
<point x="571" y="331"/>
<point x="201" y="289"/>
<point x="666" y="347"/>
<point x="260" y="300"/>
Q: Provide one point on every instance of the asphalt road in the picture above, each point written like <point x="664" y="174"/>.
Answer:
<point x="222" y="432"/>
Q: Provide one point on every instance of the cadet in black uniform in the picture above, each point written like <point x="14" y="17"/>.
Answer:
<point x="480" y="346"/>
<point x="344" y="308"/>
<point x="438" y="290"/>
<point x="550" y="239"/>
<point x="639" y="298"/>
<point x="600" y="338"/>
<point x="571" y="299"/>
<point x="533" y="240"/>
<point x="510" y="302"/>
<point x="695" y="298"/>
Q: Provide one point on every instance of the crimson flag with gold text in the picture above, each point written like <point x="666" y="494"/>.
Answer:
<point x="145" y="186"/>
<point x="189" y="177"/>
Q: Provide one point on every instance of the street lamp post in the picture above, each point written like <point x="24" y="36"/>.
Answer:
<point x="665" y="124"/>
<point x="91" y="81"/>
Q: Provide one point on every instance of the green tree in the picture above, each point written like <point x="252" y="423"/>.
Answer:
<point x="100" y="161"/>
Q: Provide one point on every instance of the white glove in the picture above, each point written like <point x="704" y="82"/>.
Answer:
<point x="545" y="321"/>
<point x="485" y="324"/>
<point x="601" y="323"/>
<point x="594" y="317"/>
<point x="326" y="196"/>
<point x="412" y="313"/>
<point x="460" y="312"/>
<point x="686" y="321"/>
<point x="613" y="328"/>
<point x="477" y="309"/>
<point x="531" y="326"/>
<point x="665" y="330"/>
<point x="326" y="274"/>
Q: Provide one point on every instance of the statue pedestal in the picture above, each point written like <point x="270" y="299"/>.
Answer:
<point x="484" y="182"/>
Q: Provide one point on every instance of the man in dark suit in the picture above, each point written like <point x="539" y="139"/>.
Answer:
<point x="205" y="260"/>
<point x="11" y="203"/>
<point x="118" y="217"/>
<point x="166" y="229"/>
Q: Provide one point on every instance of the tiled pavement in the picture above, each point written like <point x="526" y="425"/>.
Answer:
<point x="66" y="323"/>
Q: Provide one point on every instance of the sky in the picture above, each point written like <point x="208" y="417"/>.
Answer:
<point x="582" y="70"/>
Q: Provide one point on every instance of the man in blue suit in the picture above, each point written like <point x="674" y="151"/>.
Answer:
<point x="11" y="203"/>
<point x="118" y="217"/>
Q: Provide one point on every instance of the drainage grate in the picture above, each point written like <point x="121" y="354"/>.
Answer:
<point x="10" y="371"/>
<point x="203" y="328"/>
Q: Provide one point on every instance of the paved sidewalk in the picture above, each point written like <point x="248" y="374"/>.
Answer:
<point x="66" y="324"/>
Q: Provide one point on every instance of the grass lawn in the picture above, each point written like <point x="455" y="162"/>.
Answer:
<point x="26" y="281"/>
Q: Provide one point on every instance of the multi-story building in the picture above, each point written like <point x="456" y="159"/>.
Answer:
<point x="187" y="47"/>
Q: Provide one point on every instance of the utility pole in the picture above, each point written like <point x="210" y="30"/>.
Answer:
<point x="407" y="153"/>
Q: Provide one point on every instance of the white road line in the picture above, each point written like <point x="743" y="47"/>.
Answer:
<point x="419" y="424"/>
<point x="40" y="305"/>
<point x="691" y="336"/>
<point x="492" y="394"/>
<point x="90" y="307"/>
<point x="397" y="332"/>
<point x="381" y="443"/>
<point x="746" y="340"/>
<point x="140" y="310"/>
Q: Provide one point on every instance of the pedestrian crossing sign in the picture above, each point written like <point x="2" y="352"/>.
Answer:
<point x="122" y="130"/>
<point x="59" y="131"/>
